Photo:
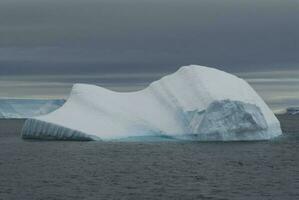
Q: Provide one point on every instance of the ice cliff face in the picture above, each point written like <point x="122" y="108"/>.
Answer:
<point x="25" y="108"/>
<point x="196" y="103"/>
<point x="232" y="119"/>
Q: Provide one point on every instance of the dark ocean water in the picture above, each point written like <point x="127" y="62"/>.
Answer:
<point x="152" y="170"/>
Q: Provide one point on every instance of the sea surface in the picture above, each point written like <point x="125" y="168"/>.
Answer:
<point x="32" y="169"/>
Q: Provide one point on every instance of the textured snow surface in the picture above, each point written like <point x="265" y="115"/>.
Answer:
<point x="25" y="108"/>
<point x="194" y="103"/>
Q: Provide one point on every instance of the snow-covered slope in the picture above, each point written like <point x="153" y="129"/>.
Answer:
<point x="25" y="108"/>
<point x="196" y="103"/>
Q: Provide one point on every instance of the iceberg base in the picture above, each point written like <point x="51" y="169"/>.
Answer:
<point x="37" y="129"/>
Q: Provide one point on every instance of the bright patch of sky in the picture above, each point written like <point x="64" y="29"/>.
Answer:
<point x="280" y="89"/>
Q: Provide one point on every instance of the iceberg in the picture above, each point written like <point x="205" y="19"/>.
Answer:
<point x="194" y="103"/>
<point x="26" y="108"/>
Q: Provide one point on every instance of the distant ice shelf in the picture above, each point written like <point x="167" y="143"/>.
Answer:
<point x="194" y="103"/>
<point x="293" y="111"/>
<point x="26" y="108"/>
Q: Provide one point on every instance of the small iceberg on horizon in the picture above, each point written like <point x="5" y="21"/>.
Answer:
<point x="26" y="108"/>
<point x="195" y="103"/>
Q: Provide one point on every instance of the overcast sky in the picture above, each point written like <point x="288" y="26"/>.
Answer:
<point x="86" y="36"/>
<point x="128" y="43"/>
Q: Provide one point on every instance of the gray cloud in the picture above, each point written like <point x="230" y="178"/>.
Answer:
<point x="86" y="36"/>
<point x="47" y="45"/>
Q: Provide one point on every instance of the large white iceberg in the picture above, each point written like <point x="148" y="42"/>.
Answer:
<point x="194" y="103"/>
